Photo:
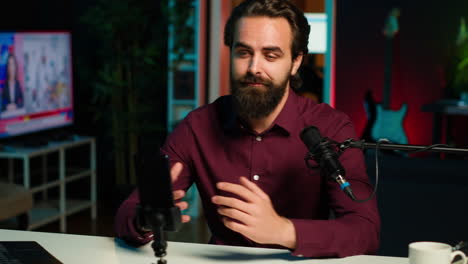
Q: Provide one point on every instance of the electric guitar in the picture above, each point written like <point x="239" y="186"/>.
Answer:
<point x="382" y="121"/>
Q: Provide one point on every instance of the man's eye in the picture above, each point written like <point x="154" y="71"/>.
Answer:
<point x="242" y="53"/>
<point x="271" y="56"/>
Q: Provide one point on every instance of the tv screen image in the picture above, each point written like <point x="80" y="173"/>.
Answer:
<point x="36" y="91"/>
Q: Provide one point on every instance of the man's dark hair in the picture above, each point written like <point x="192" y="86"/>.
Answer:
<point x="274" y="9"/>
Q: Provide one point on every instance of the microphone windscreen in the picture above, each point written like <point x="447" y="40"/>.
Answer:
<point x="311" y="137"/>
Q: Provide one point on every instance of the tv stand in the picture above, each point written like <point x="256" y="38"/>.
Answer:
<point x="35" y="142"/>
<point x="60" y="135"/>
<point x="48" y="210"/>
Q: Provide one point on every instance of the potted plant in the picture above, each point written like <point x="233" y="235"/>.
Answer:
<point x="128" y="75"/>
<point x="129" y="81"/>
<point x="459" y="65"/>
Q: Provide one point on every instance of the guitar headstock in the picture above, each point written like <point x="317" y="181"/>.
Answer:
<point x="391" y="23"/>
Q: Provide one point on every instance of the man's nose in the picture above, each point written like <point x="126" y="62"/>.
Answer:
<point x="255" y="65"/>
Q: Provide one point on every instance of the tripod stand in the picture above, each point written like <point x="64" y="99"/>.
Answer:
<point x="156" y="211"/>
<point x="159" y="220"/>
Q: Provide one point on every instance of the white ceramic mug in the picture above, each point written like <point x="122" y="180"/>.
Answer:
<point x="433" y="253"/>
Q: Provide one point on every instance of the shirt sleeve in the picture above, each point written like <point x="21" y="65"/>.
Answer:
<point x="124" y="222"/>
<point x="176" y="147"/>
<point x="355" y="228"/>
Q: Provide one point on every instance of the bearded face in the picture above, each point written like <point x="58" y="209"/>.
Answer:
<point x="256" y="97"/>
<point x="261" y="65"/>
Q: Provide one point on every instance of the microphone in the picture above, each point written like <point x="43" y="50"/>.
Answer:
<point x="327" y="158"/>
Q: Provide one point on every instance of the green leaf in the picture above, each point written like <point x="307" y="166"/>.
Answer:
<point x="462" y="64"/>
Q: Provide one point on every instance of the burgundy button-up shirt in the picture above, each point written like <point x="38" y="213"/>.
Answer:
<point x="213" y="146"/>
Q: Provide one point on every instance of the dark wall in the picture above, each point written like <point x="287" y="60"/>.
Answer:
<point x="427" y="29"/>
<point x="418" y="198"/>
<point x="36" y="15"/>
<point x="56" y="15"/>
<point x="59" y="15"/>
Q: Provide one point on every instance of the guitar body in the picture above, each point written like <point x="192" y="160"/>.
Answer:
<point x="389" y="125"/>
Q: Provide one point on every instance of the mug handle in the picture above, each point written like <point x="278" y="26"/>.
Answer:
<point x="461" y="254"/>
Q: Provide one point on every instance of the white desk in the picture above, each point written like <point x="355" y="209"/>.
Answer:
<point x="78" y="249"/>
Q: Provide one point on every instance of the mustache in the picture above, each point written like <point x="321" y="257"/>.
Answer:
<point x="253" y="79"/>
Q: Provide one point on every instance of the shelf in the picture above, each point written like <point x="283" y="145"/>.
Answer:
<point x="43" y="213"/>
<point x="78" y="176"/>
<point x="74" y="174"/>
<point x="46" y="212"/>
<point x="45" y="186"/>
<point x="17" y="151"/>
<point x="185" y="102"/>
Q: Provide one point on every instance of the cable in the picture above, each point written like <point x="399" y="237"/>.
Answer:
<point x="429" y="148"/>
<point x="376" y="172"/>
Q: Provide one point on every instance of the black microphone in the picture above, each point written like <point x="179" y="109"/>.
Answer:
<point x="327" y="158"/>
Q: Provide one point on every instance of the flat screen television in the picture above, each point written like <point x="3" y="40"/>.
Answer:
<point x="36" y="91"/>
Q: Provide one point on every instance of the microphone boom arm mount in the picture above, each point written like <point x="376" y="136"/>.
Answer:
<point x="361" y="144"/>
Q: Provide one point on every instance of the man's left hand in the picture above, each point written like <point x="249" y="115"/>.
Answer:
<point x="254" y="216"/>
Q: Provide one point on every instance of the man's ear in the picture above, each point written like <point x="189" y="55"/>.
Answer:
<point x="296" y="63"/>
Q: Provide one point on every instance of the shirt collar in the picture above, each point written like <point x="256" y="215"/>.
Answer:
<point x="286" y="120"/>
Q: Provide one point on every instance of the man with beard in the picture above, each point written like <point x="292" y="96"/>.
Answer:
<point x="245" y="155"/>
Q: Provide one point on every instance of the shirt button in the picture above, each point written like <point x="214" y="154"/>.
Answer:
<point x="259" y="138"/>
<point x="256" y="177"/>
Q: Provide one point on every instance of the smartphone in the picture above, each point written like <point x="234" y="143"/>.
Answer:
<point x="155" y="189"/>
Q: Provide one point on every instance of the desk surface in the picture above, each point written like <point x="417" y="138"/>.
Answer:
<point x="80" y="249"/>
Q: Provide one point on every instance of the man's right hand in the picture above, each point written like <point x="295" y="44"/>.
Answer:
<point x="179" y="194"/>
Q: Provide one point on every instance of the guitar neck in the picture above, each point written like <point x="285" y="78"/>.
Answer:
<point x="388" y="63"/>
